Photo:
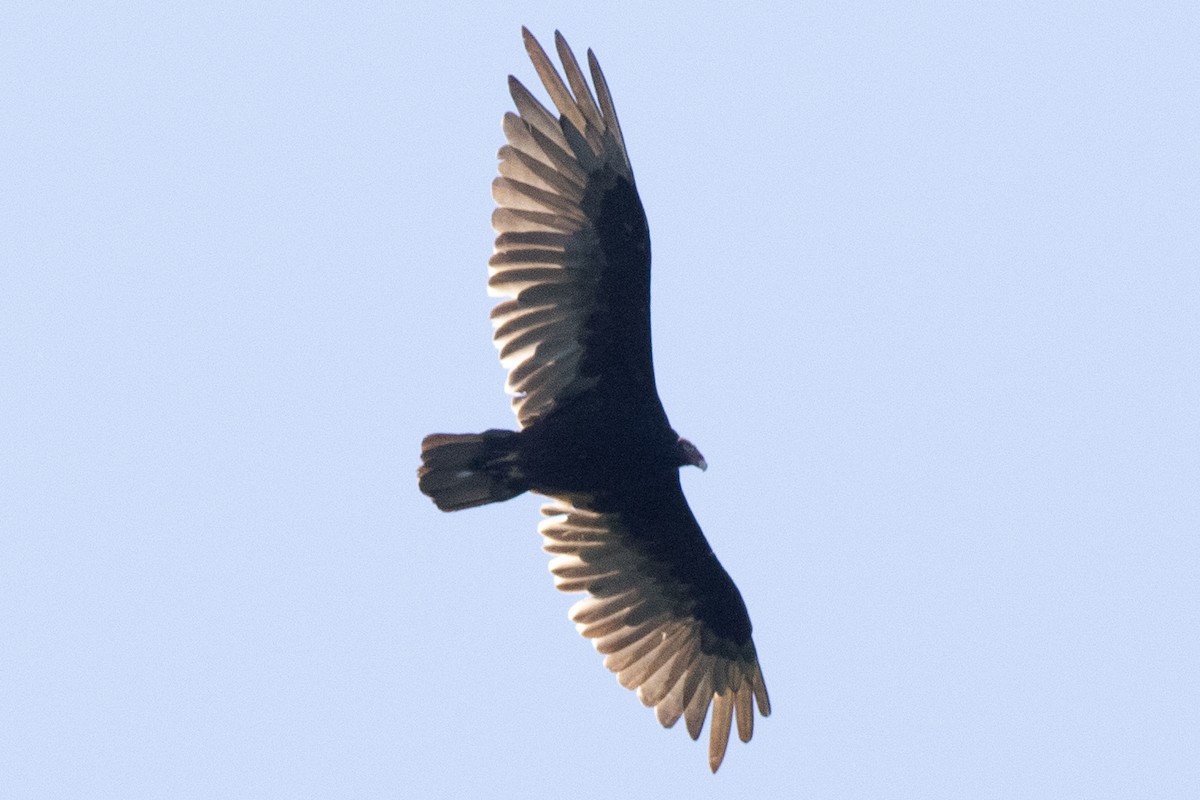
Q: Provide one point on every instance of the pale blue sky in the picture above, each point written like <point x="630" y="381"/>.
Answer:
<point x="925" y="296"/>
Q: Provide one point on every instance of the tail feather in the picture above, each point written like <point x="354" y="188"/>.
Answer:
<point x="461" y="470"/>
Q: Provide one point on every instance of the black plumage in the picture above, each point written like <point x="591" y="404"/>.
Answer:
<point x="573" y="256"/>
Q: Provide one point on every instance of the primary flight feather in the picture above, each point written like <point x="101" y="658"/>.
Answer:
<point x="572" y="254"/>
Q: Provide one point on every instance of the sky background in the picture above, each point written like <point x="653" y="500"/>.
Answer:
<point x="926" y="292"/>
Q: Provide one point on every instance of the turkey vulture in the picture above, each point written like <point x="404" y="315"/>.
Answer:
<point x="573" y="255"/>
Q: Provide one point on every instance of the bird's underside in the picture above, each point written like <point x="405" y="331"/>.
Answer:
<point x="572" y="258"/>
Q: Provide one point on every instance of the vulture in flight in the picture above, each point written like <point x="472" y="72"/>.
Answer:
<point x="572" y="255"/>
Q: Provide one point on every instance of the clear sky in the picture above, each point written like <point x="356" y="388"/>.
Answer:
<point x="925" y="294"/>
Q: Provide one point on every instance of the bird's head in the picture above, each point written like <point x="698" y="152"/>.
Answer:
<point x="689" y="455"/>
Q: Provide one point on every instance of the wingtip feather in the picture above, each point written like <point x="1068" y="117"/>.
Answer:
<point x="722" y="719"/>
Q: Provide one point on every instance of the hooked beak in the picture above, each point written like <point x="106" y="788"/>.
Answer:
<point x="690" y="455"/>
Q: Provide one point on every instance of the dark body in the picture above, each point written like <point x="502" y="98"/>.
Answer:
<point x="578" y="456"/>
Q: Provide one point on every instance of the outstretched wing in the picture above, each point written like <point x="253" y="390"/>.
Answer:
<point x="572" y="248"/>
<point x="666" y="615"/>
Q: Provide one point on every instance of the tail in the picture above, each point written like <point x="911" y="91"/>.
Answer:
<point x="461" y="470"/>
